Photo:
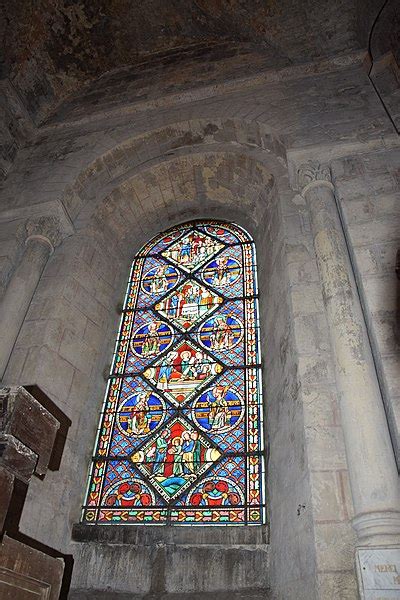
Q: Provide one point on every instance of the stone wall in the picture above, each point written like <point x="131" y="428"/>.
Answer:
<point x="368" y="192"/>
<point x="121" y="176"/>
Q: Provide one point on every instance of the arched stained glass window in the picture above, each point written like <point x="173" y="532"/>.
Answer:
<point x="180" y="439"/>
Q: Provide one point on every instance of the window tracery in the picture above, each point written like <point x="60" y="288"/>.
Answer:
<point x="180" y="438"/>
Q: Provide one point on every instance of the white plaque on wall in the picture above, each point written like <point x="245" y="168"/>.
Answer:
<point x="378" y="571"/>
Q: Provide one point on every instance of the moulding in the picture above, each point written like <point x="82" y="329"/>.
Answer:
<point x="53" y="209"/>
<point x="325" y="153"/>
<point x="148" y="535"/>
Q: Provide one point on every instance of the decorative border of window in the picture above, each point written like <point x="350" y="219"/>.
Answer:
<point x="180" y="438"/>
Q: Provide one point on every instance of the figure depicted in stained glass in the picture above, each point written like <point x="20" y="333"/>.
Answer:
<point x="221" y="332"/>
<point x="160" y="452"/>
<point x="177" y="452"/>
<point x="160" y="279"/>
<point x="218" y="409"/>
<point x="196" y="450"/>
<point x="221" y="337"/>
<point x="188" y="449"/>
<point x="151" y="344"/>
<point x="222" y="271"/>
<point x="165" y="371"/>
<point x="140" y="418"/>
<point x="141" y="414"/>
<point x="151" y="339"/>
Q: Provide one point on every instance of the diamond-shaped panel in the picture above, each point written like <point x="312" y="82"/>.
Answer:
<point x="182" y="372"/>
<point x="188" y="304"/>
<point x="192" y="250"/>
<point x="176" y="458"/>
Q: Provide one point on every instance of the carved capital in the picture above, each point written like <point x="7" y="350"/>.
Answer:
<point x="311" y="173"/>
<point x="47" y="229"/>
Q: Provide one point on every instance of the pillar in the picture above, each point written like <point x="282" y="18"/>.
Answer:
<point x="372" y="469"/>
<point x="42" y="235"/>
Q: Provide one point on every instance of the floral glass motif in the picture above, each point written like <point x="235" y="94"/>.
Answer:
<point x="180" y="439"/>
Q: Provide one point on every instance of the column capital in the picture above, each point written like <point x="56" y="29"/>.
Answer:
<point x="46" y="229"/>
<point x="313" y="174"/>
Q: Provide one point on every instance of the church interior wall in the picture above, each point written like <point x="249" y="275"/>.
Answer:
<point x="125" y="176"/>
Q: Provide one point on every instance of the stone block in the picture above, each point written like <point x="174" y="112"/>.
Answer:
<point x="38" y="332"/>
<point x="316" y="370"/>
<point x="335" y="544"/>
<point x="366" y="261"/>
<point x="362" y="234"/>
<point x="306" y="299"/>
<point x="50" y="371"/>
<point x="192" y="568"/>
<point x="385" y="327"/>
<point x="337" y="586"/>
<point x="311" y="334"/>
<point x="327" y="496"/>
<point x="105" y="567"/>
<point x="325" y="448"/>
<point x="77" y="352"/>
<point x="381" y="293"/>
<point x="303" y="272"/>
<point x="391" y="373"/>
<point x="320" y="407"/>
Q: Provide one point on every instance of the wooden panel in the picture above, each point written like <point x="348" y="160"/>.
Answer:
<point x="15" y="586"/>
<point x="27" y="573"/>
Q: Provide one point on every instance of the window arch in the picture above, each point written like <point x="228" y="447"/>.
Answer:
<point x="180" y="439"/>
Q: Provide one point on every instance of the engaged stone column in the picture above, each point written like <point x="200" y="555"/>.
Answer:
<point x="372" y="469"/>
<point x="42" y="235"/>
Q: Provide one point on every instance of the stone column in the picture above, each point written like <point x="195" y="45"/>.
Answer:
<point x="372" y="469"/>
<point x="41" y="236"/>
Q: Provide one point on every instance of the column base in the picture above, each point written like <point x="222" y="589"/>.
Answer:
<point x="378" y="528"/>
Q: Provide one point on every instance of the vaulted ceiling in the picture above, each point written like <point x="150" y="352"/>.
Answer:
<point x="52" y="47"/>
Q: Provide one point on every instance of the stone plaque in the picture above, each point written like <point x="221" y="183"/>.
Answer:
<point x="378" y="572"/>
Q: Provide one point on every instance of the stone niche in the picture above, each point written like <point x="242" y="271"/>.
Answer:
<point x="232" y="562"/>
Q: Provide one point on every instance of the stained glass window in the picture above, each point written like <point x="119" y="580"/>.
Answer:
<point x="180" y="438"/>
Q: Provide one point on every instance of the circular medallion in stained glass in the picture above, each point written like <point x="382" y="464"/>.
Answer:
<point x="141" y="414"/>
<point x="221" y="332"/>
<point x="159" y="280"/>
<point x="151" y="339"/>
<point x="222" y="271"/>
<point x="218" y="409"/>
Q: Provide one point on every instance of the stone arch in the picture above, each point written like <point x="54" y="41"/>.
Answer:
<point x="141" y="152"/>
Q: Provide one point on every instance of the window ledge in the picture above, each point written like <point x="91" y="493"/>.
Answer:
<point x="149" y="535"/>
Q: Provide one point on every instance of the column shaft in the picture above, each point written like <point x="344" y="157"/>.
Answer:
<point x="19" y="293"/>
<point x="372" y="469"/>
